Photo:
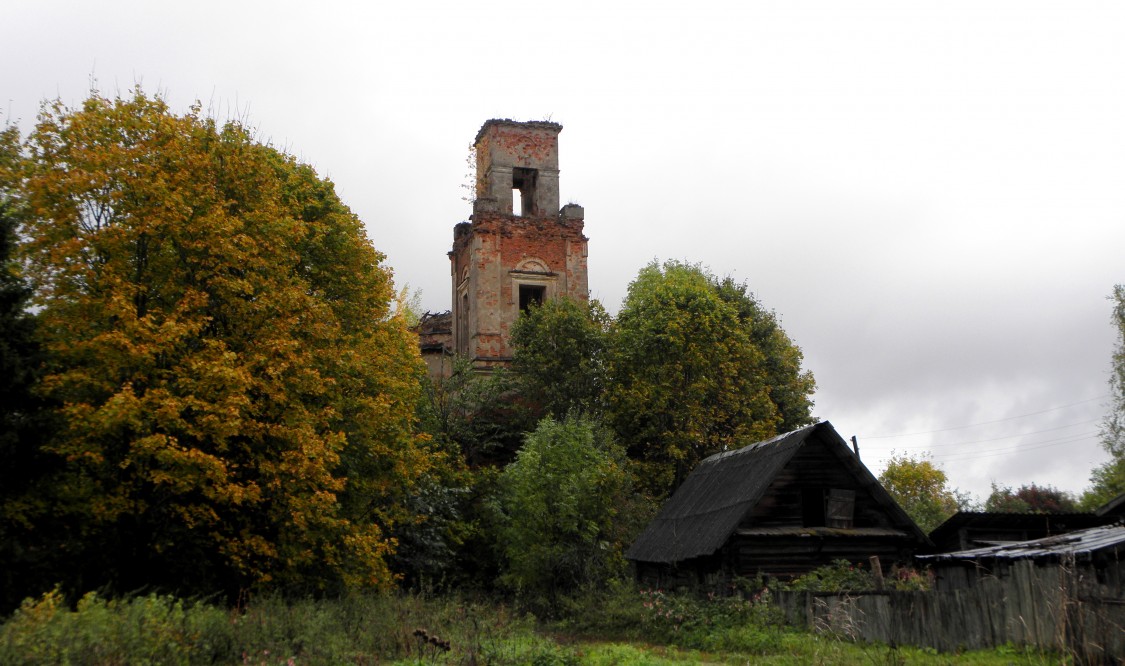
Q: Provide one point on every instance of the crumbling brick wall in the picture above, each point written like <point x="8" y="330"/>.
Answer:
<point x="502" y="258"/>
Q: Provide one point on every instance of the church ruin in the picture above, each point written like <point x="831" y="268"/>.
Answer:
<point x="518" y="248"/>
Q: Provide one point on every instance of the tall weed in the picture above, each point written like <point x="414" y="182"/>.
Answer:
<point x="143" y="630"/>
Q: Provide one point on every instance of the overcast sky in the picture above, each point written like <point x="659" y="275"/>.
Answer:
<point x="931" y="195"/>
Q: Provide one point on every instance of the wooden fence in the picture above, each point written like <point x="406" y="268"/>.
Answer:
<point x="1052" y="607"/>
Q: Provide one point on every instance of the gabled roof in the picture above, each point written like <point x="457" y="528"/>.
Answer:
<point x="1079" y="544"/>
<point x="1114" y="507"/>
<point x="706" y="509"/>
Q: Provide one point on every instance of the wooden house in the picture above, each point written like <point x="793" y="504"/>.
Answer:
<point x="780" y="508"/>
<point x="975" y="529"/>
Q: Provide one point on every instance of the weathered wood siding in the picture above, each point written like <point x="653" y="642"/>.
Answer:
<point x="814" y="466"/>
<point x="1077" y="611"/>
<point x="789" y="556"/>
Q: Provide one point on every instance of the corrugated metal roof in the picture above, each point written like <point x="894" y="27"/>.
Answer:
<point x="1079" y="543"/>
<point x="705" y="510"/>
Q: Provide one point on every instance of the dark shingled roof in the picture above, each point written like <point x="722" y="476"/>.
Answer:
<point x="703" y="513"/>
<point x="1114" y="507"/>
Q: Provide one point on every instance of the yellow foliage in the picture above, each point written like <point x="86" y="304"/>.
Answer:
<point x="221" y="346"/>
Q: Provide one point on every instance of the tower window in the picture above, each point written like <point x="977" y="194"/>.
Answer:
<point x="531" y="294"/>
<point x="524" y="180"/>
<point x="463" y="325"/>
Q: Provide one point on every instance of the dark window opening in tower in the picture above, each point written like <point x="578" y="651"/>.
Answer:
<point x="531" y="293"/>
<point x="523" y="181"/>
<point x="463" y="326"/>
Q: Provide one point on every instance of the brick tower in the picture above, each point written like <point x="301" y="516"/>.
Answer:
<point x="511" y="255"/>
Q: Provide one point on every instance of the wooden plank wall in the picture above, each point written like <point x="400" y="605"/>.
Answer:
<point x="814" y="466"/>
<point x="787" y="556"/>
<point x="1050" y="608"/>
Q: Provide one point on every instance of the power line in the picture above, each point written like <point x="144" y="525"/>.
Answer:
<point x="991" y="453"/>
<point x="991" y="439"/>
<point x="973" y="425"/>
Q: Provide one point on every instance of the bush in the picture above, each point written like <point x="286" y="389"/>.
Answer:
<point x="843" y="576"/>
<point x="840" y="576"/>
<point x="560" y="500"/>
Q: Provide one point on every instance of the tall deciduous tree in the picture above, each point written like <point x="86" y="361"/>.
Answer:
<point x="695" y="366"/>
<point x="238" y="398"/>
<point x="1108" y="480"/>
<point x="791" y="387"/>
<point x="922" y="489"/>
<point x="560" y="355"/>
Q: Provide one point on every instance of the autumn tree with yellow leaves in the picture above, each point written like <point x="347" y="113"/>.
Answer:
<point x="236" y="395"/>
<point x="698" y="366"/>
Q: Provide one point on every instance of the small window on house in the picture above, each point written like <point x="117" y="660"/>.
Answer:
<point x="840" y="508"/>
<point x="531" y="293"/>
<point x="523" y="181"/>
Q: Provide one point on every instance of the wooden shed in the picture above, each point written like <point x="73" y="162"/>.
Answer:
<point x="1064" y="592"/>
<point x="780" y="508"/>
<point x="975" y="529"/>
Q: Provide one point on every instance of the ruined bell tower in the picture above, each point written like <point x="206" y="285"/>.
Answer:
<point x="519" y="247"/>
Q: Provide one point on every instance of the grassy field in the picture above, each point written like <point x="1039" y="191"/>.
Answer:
<point x="621" y="627"/>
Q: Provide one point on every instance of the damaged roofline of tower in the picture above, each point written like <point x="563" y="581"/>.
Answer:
<point x="508" y="122"/>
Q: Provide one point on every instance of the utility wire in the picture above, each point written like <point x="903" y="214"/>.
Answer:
<point x="991" y="453"/>
<point x="968" y="455"/>
<point x="981" y="441"/>
<point x="973" y="425"/>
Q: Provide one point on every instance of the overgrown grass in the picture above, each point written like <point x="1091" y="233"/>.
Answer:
<point x="354" y="630"/>
<point x="610" y="626"/>
<point x="618" y="625"/>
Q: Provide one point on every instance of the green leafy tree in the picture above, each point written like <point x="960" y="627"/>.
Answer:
<point x="1029" y="498"/>
<point x="791" y="387"/>
<point x="560" y="500"/>
<point x="483" y="414"/>
<point x="476" y="423"/>
<point x="560" y="355"/>
<point x="1108" y="480"/>
<point x="922" y="489"/>
<point x="237" y="396"/>
<point x="689" y="375"/>
<point x="1003" y="499"/>
<point x="29" y="539"/>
